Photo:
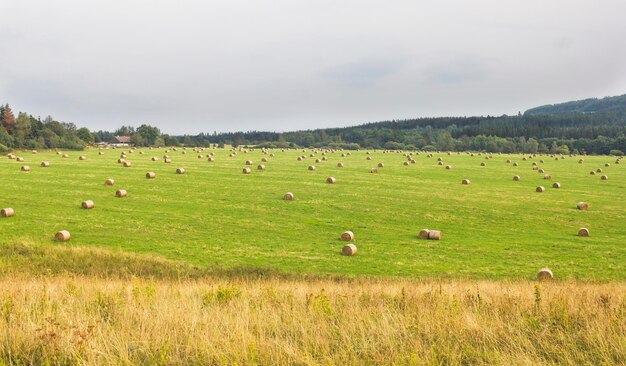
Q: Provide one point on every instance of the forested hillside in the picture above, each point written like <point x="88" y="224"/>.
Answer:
<point x="593" y="126"/>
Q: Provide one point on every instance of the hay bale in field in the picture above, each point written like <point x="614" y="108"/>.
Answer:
<point x="508" y="160"/>
<point x="7" y="212"/>
<point x="19" y="159"/>
<point x="121" y="193"/>
<point x="406" y="163"/>
<point x="101" y="153"/>
<point x="343" y="155"/>
<point x="439" y="159"/>
<point x="82" y="157"/>
<point x="448" y="167"/>
<point x="540" y="189"/>
<point x="381" y="165"/>
<point x="582" y="206"/>
<point x="272" y="155"/>
<point x="109" y="182"/>
<point x="264" y="160"/>
<point x="331" y="180"/>
<point x="318" y="161"/>
<point x="65" y="156"/>
<point x="349" y="250"/>
<point x="434" y="235"/>
<point x="541" y="171"/>
<point x="592" y="172"/>
<point x="200" y="156"/>
<point x="324" y="158"/>
<point x="127" y="164"/>
<point x="248" y="162"/>
<point x="440" y="163"/>
<point x="87" y="205"/>
<point x="180" y="170"/>
<point x="62" y="235"/>
<point x="260" y="167"/>
<point x="288" y="196"/>
<point x="516" y="178"/>
<point x="150" y="175"/>
<point x="369" y="158"/>
<point x="547" y="177"/>
<point x="544" y="274"/>
<point x="541" y="161"/>
<point x="246" y="171"/>
<point x="300" y="158"/>
<point x="167" y="161"/>
<point x="465" y="181"/>
<point x="599" y="170"/>
<point x="581" y="161"/>
<point x="340" y="165"/>
<point x="311" y="167"/>
<point x="515" y="164"/>
<point x="374" y="170"/>
<point x="347" y="236"/>
<point x="607" y="165"/>
<point x="423" y="234"/>
<point x="483" y="164"/>
<point x="583" y="231"/>
<point x="556" y="185"/>
<point x="534" y="163"/>
<point x="210" y="158"/>
<point x="154" y="158"/>
<point x="25" y="168"/>
<point x="44" y="164"/>
<point x="604" y="177"/>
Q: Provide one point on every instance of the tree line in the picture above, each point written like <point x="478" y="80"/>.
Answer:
<point x="592" y="126"/>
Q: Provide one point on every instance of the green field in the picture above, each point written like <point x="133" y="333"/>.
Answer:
<point x="213" y="215"/>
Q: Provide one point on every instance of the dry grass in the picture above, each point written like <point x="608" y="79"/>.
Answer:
<point x="68" y="320"/>
<point x="63" y="306"/>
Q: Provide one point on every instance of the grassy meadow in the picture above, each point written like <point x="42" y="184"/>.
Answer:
<point x="215" y="216"/>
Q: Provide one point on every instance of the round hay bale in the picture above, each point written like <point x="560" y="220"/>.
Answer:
<point x="248" y="162"/>
<point x="44" y="164"/>
<point x="516" y="178"/>
<point x="62" y="235"/>
<point x="541" y="161"/>
<point x="347" y="236"/>
<point x="465" y="181"/>
<point x="582" y="206"/>
<point x="210" y="158"/>
<point x="324" y="158"/>
<point x="318" y="160"/>
<point x="448" y="167"/>
<point x="604" y="177"/>
<point x="25" y="168"/>
<point x="556" y="185"/>
<point x="592" y="173"/>
<point x="121" y="193"/>
<point x="515" y="164"/>
<point x="264" y="160"/>
<point x="82" y="157"/>
<point x="348" y="250"/>
<point x="381" y="165"/>
<point x="300" y="158"/>
<point x="311" y="167"/>
<point x="109" y="182"/>
<point x="580" y="161"/>
<point x="127" y="164"/>
<point x="541" y="171"/>
<point x="434" y="235"/>
<point x="508" y="161"/>
<point x="101" y="153"/>
<point x="544" y="274"/>
<point x="547" y="177"/>
<point x="260" y="167"/>
<point x="246" y="171"/>
<point x="540" y="189"/>
<point x="7" y="212"/>
<point x="154" y="158"/>
<point x="440" y="163"/>
<point x="331" y="180"/>
<point x="288" y="196"/>
<point x="599" y="170"/>
<point x="339" y="165"/>
<point x="374" y="170"/>
<point x="200" y="156"/>
<point x="87" y="205"/>
<point x="167" y="161"/>
<point x="406" y="163"/>
<point x="150" y="175"/>
<point x="166" y="157"/>
<point x="423" y="234"/>
<point x="483" y="164"/>
<point x="65" y="156"/>
<point x="19" y="159"/>
<point x="369" y="158"/>
<point x="607" y="165"/>
<point x="439" y="159"/>
<point x="583" y="232"/>
<point x="180" y="170"/>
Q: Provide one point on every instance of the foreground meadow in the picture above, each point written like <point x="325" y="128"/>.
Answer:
<point x="84" y="306"/>
<point x="213" y="215"/>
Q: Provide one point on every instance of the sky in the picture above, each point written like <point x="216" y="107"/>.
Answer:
<point x="192" y="66"/>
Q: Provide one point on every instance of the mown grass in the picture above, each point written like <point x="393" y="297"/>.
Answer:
<point x="214" y="216"/>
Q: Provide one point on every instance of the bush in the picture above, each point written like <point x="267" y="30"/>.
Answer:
<point x="3" y="148"/>
<point x="616" y="152"/>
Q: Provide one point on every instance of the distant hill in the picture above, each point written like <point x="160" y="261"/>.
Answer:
<point x="591" y="105"/>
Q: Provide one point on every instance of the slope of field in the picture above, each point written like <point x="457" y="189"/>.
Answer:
<point x="213" y="215"/>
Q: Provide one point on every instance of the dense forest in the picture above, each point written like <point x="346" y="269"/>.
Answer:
<point x="592" y="126"/>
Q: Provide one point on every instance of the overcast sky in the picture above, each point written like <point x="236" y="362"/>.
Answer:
<point x="192" y="66"/>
